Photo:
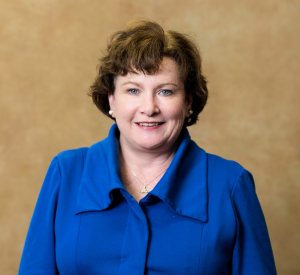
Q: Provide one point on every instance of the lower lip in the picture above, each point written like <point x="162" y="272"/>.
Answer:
<point x="149" y="128"/>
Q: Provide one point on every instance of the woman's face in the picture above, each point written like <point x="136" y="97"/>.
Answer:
<point x="150" y="109"/>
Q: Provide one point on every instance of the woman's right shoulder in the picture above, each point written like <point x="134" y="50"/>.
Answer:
<point x="67" y="161"/>
<point x="71" y="164"/>
<point x="72" y="159"/>
<point x="65" y="172"/>
<point x="78" y="156"/>
<point x="72" y="155"/>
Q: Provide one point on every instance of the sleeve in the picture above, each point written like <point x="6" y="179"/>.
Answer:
<point x="39" y="251"/>
<point x="252" y="252"/>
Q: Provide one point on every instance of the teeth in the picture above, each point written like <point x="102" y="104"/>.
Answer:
<point x="148" y="124"/>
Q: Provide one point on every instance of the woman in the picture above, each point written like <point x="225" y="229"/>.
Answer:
<point x="147" y="199"/>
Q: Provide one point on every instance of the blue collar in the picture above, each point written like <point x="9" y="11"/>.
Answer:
<point x="183" y="187"/>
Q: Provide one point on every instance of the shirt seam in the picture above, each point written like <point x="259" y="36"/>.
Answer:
<point x="235" y="183"/>
<point x="232" y="191"/>
<point x="57" y="200"/>
<point x="233" y="209"/>
<point x="208" y="187"/>
<point x="121" y="258"/>
<point x="60" y="181"/>
<point x="76" y="251"/>
<point x="199" y="264"/>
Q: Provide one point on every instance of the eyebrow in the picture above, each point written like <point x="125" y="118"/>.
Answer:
<point x="131" y="82"/>
<point x="160" y="85"/>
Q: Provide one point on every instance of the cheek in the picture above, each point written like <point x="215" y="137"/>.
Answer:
<point x="124" y="110"/>
<point x="176" y="111"/>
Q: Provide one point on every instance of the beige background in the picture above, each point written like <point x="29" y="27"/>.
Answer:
<point x="48" y="55"/>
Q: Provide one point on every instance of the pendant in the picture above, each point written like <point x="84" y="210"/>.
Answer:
<point x="144" y="190"/>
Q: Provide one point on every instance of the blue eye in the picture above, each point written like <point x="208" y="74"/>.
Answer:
<point x="165" y="92"/>
<point x="133" y="91"/>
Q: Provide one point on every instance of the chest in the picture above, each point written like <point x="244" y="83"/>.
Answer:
<point x="132" y="239"/>
<point x="143" y="238"/>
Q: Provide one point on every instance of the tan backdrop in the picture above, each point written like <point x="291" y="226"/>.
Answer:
<point x="48" y="55"/>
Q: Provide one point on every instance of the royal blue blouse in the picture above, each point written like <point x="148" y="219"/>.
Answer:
<point x="203" y="217"/>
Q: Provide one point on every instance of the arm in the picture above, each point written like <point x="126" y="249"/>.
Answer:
<point x="39" y="251"/>
<point x="252" y="252"/>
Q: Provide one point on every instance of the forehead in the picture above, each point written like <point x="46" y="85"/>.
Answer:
<point x="168" y="72"/>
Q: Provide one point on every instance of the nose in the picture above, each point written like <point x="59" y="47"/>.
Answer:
<point x="149" y="105"/>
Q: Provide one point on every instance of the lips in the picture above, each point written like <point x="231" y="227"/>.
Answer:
<point x="149" y="124"/>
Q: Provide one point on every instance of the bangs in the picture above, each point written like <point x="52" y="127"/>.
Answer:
<point x="133" y="51"/>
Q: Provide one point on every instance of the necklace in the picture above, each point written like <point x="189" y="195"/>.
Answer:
<point x="144" y="190"/>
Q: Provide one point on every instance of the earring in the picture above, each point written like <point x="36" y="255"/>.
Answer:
<point x="191" y="112"/>
<point x="111" y="112"/>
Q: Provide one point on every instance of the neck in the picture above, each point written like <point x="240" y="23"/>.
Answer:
<point x="139" y="167"/>
<point x="146" y="160"/>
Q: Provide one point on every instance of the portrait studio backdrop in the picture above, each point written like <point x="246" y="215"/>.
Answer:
<point x="48" y="55"/>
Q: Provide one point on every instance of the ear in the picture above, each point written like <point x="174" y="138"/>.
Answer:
<point x="111" y="101"/>
<point x="189" y="102"/>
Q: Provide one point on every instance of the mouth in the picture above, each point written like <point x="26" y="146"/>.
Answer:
<point x="150" y="124"/>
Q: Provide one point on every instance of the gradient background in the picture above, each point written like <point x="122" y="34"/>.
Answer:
<point x="49" y="50"/>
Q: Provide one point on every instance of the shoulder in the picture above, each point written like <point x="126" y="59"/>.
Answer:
<point x="223" y="165"/>
<point x="76" y="159"/>
<point x="70" y="158"/>
<point x="228" y="172"/>
<point x="77" y="154"/>
<point x="221" y="173"/>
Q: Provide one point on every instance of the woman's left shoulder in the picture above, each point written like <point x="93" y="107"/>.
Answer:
<point x="227" y="171"/>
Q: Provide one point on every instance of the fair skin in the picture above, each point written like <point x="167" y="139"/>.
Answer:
<point x="150" y="111"/>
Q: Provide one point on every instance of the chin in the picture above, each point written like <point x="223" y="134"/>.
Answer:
<point x="151" y="145"/>
<point x="157" y="145"/>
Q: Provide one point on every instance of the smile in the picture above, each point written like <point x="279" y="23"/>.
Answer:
<point x="149" y="124"/>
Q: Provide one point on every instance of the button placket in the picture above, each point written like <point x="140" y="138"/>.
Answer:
<point x="135" y="243"/>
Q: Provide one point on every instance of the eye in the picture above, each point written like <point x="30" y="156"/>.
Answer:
<point x="165" y="92"/>
<point x="133" y="91"/>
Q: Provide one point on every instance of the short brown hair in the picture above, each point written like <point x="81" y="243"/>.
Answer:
<point x="142" y="47"/>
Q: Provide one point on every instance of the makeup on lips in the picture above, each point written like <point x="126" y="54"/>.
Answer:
<point x="149" y="125"/>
